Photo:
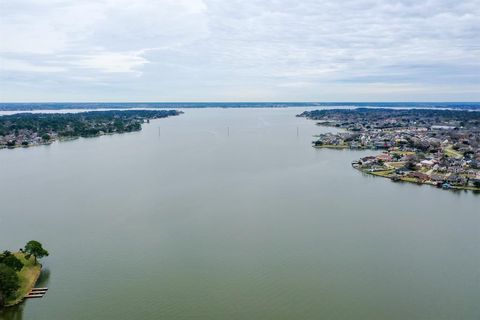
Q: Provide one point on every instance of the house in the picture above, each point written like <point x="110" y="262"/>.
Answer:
<point x="427" y="163"/>
<point x="402" y="171"/>
<point x="384" y="157"/>
<point x="419" y="176"/>
<point x="437" y="177"/>
<point x="456" y="179"/>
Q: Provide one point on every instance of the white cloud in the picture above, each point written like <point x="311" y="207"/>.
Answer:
<point x="23" y="66"/>
<point x="110" y="62"/>
<point x="197" y="48"/>
<point x="47" y="27"/>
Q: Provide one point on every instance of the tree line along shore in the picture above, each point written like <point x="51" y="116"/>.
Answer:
<point x="31" y="129"/>
<point x="435" y="147"/>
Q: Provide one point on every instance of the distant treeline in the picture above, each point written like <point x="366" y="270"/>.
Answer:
<point x="83" y="124"/>
<point x="115" y="105"/>
<point x="420" y="116"/>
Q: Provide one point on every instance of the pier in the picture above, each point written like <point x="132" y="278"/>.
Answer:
<point x="36" y="293"/>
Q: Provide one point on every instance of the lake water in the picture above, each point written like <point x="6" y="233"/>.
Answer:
<point x="229" y="214"/>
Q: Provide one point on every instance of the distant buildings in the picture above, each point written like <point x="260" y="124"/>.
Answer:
<point x="438" y="147"/>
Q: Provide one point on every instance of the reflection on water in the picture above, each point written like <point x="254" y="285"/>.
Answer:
<point x="13" y="313"/>
<point x="44" y="278"/>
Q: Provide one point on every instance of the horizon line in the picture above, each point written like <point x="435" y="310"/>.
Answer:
<point x="228" y="102"/>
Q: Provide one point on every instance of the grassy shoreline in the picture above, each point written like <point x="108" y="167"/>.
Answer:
<point x="332" y="146"/>
<point x="28" y="278"/>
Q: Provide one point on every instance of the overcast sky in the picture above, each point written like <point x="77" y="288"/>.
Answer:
<point x="229" y="50"/>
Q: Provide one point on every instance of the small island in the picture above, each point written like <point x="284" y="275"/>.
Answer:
<point x="424" y="146"/>
<point x="19" y="272"/>
<point x="31" y="129"/>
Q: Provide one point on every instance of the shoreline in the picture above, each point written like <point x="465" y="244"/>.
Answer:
<point x="388" y="175"/>
<point x="64" y="139"/>
<point x="28" y="279"/>
<point x="434" y="147"/>
<point x="389" y="171"/>
<point x="36" y="129"/>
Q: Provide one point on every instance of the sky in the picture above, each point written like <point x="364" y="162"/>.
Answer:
<point x="239" y="50"/>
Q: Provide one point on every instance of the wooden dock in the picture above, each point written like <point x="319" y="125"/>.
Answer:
<point x="36" y="293"/>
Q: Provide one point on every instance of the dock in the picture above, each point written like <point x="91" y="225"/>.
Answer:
<point x="36" y="293"/>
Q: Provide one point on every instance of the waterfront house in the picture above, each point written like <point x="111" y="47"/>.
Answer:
<point x="437" y="177"/>
<point x="456" y="179"/>
<point x="427" y="163"/>
<point x="384" y="157"/>
<point x="419" y="176"/>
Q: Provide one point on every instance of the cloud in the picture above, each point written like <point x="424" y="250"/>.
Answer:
<point x="110" y="62"/>
<point x="23" y="66"/>
<point x="210" y="49"/>
<point x="48" y="27"/>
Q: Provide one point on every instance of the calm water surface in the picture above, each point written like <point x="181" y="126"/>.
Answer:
<point x="229" y="214"/>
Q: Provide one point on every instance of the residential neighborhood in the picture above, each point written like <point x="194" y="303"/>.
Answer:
<point x="33" y="129"/>
<point x="437" y="147"/>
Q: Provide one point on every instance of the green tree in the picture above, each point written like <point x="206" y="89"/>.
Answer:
<point x="35" y="249"/>
<point x="8" y="259"/>
<point x="9" y="283"/>
<point x="397" y="156"/>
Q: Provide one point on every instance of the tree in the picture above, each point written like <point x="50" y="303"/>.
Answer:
<point x="397" y="156"/>
<point x="35" y="249"/>
<point x="8" y="259"/>
<point x="9" y="283"/>
<point x="411" y="165"/>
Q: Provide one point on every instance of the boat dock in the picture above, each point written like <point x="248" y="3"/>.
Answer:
<point x="36" y="293"/>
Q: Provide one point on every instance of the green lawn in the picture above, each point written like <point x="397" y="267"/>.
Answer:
<point x="404" y="153"/>
<point x="396" y="165"/>
<point x="385" y="174"/>
<point x="333" y="146"/>
<point x="452" y="153"/>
